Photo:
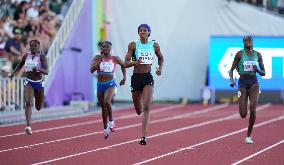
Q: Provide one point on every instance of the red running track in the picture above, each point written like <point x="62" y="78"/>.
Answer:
<point x="178" y="134"/>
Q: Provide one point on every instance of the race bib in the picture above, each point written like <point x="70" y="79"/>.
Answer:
<point x="106" y="66"/>
<point x="30" y="64"/>
<point x="248" y="65"/>
<point x="146" y="56"/>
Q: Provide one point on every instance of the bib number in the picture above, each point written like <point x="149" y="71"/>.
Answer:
<point x="248" y="65"/>
<point x="106" y="66"/>
<point x="146" y="56"/>
<point x="30" y="64"/>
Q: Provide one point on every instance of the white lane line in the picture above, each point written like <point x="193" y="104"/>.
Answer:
<point x="121" y="128"/>
<point x="156" y="135"/>
<point x="53" y="128"/>
<point x="73" y="116"/>
<point x="208" y="141"/>
<point x="63" y="117"/>
<point x="257" y="153"/>
<point x="92" y="122"/>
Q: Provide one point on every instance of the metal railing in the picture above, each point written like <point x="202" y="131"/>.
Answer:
<point x="61" y="37"/>
<point x="12" y="91"/>
<point x="11" y="94"/>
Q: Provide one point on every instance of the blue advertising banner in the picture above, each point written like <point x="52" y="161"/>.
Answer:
<point x="222" y="52"/>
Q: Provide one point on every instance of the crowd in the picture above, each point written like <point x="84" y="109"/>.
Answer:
<point x="273" y="5"/>
<point x="24" y="20"/>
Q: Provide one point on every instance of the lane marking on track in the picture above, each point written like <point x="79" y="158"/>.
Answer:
<point x="157" y="110"/>
<point x="73" y="116"/>
<point x="208" y="141"/>
<point x="257" y="153"/>
<point x="156" y="135"/>
<point x="125" y="127"/>
<point x="69" y="117"/>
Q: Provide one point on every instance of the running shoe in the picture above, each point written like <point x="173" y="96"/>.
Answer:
<point x="28" y="130"/>
<point x="106" y="132"/>
<point x="142" y="141"/>
<point x="248" y="140"/>
<point x="111" y="125"/>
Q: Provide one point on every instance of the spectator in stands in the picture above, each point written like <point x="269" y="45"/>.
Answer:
<point x="55" y="6"/>
<point x="3" y="39"/>
<point x="272" y="5"/>
<point x="32" y="12"/>
<point x="280" y="5"/>
<point x="14" y="46"/>
<point x="9" y="24"/>
<point x="32" y="26"/>
<point x="21" y="9"/>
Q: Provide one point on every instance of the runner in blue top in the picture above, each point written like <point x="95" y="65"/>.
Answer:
<point x="246" y="62"/>
<point x="140" y="55"/>
<point x="35" y="65"/>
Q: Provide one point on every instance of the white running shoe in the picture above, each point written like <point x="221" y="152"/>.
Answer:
<point x="28" y="130"/>
<point x="106" y="132"/>
<point x="248" y="140"/>
<point x="111" y="125"/>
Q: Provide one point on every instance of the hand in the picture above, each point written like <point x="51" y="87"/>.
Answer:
<point x="158" y="71"/>
<point x="232" y="84"/>
<point x="254" y="68"/>
<point x="11" y="76"/>
<point x="139" y="61"/>
<point x="122" y="82"/>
